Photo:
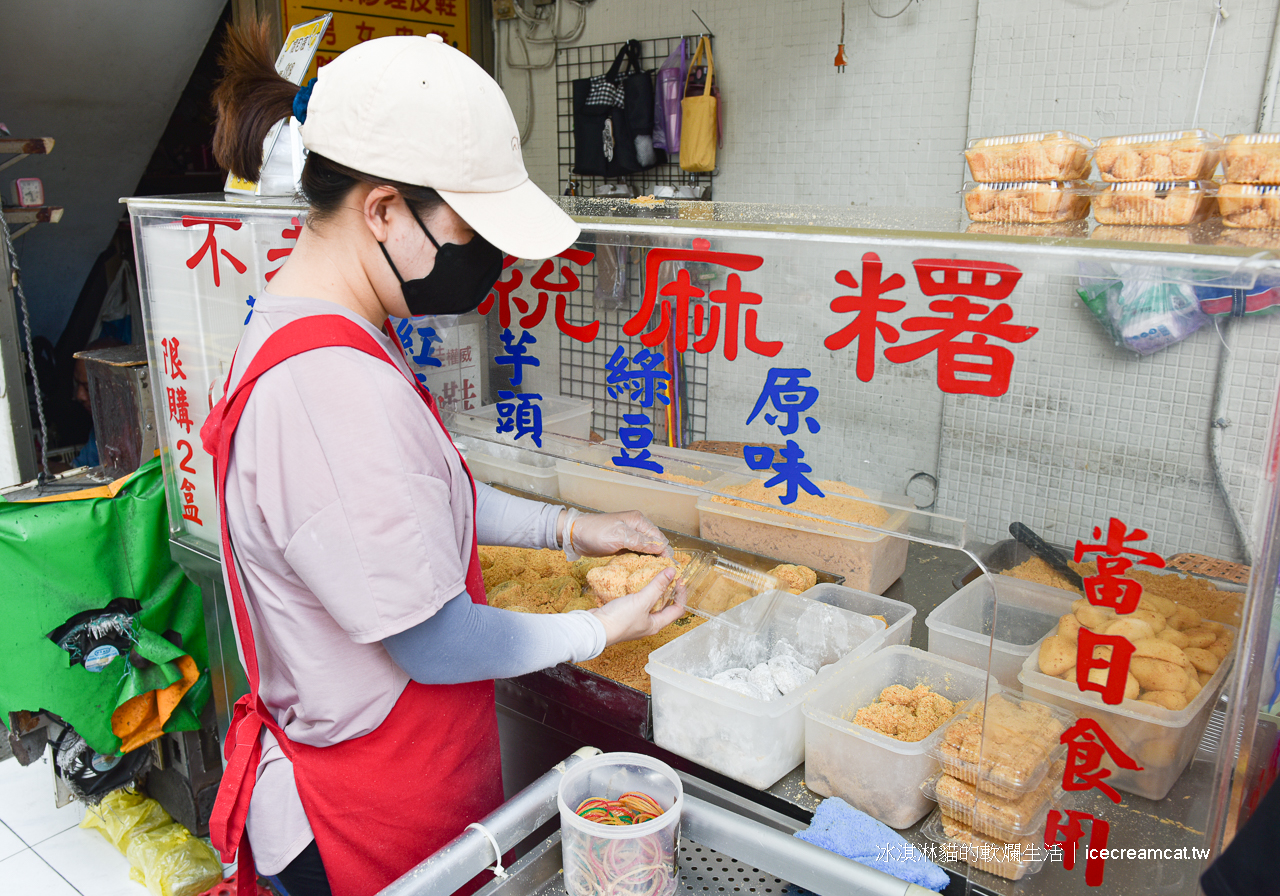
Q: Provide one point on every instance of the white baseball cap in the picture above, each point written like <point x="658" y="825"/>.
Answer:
<point x="418" y="111"/>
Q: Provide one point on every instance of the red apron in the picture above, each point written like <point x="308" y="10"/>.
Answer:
<point x="381" y="803"/>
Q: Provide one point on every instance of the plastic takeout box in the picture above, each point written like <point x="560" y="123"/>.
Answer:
<point x="992" y="816"/>
<point x="745" y="738"/>
<point x="1252" y="158"/>
<point x="897" y="615"/>
<point x="1252" y="206"/>
<point x="1163" y="156"/>
<point x="606" y="487"/>
<point x="501" y="464"/>
<point x="712" y="585"/>
<point x="1027" y="202"/>
<point x="963" y="626"/>
<point x="1007" y="773"/>
<point x="1012" y="860"/>
<point x="1160" y="740"/>
<point x="1168" y="204"/>
<point x="869" y="560"/>
<point x="620" y="859"/>
<point x="1047" y="155"/>
<point x="871" y="771"/>
<point x="560" y="415"/>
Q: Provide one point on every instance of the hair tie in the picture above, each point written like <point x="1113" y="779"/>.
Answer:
<point x="300" y="100"/>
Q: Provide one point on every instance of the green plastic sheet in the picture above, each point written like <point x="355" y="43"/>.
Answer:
<point x="62" y="558"/>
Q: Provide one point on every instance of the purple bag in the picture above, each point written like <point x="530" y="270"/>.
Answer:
<point x="667" y="93"/>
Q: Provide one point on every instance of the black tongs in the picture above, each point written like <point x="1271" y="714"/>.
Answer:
<point x="1046" y="552"/>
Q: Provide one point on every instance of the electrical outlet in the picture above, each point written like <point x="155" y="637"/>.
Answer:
<point x="504" y="9"/>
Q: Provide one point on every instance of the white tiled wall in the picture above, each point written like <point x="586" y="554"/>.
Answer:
<point x="888" y="132"/>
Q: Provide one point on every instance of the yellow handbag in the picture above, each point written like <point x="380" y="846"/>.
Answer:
<point x="698" y="114"/>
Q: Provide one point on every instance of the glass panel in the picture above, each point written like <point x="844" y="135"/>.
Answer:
<point x="961" y="378"/>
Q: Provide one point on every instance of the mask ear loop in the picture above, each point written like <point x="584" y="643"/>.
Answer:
<point x="383" y="246"/>
<point x="420" y="224"/>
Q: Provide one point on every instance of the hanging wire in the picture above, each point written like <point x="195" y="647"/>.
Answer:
<point x="16" y="280"/>
<point x="1218" y="16"/>
<point x="894" y="16"/>
<point x="527" y="36"/>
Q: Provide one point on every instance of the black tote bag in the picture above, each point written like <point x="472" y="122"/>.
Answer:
<point x="613" y="119"/>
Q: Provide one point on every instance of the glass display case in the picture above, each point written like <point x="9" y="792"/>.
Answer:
<point x="884" y="387"/>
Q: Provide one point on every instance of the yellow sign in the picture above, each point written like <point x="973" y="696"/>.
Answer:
<point x="292" y="62"/>
<point x="355" y="21"/>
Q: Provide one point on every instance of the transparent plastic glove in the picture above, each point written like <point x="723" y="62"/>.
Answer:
<point x="628" y="618"/>
<point x="602" y="534"/>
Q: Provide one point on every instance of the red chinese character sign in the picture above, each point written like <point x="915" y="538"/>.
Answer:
<point x="205" y="268"/>
<point x="989" y="368"/>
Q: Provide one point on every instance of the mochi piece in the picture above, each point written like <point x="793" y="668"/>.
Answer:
<point x="737" y="680"/>
<point x="789" y="674"/>
<point x="763" y="681"/>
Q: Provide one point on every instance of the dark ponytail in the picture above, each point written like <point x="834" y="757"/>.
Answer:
<point x="250" y="97"/>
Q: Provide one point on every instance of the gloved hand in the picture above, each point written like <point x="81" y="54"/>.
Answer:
<point x="602" y="534"/>
<point x="628" y="618"/>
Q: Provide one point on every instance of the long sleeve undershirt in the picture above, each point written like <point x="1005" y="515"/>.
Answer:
<point x="465" y="641"/>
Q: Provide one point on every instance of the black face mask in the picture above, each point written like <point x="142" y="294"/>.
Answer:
<point x="462" y="277"/>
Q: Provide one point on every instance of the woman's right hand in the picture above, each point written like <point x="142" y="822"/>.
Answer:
<point x="628" y="618"/>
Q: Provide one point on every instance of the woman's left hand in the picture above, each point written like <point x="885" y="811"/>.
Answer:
<point x="602" y="534"/>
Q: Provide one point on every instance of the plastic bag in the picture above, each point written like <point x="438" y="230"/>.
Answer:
<point x="1142" y="308"/>
<point x="124" y="814"/>
<point x="611" y="291"/>
<point x="171" y="862"/>
<point x="163" y="854"/>
<point x="666" y="100"/>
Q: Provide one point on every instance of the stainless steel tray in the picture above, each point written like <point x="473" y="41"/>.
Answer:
<point x="702" y="870"/>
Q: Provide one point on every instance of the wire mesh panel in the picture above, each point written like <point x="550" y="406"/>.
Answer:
<point x="594" y="59"/>
<point x="583" y="367"/>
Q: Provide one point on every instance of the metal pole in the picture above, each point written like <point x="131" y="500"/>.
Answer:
<point x="471" y="852"/>
<point x="795" y="861"/>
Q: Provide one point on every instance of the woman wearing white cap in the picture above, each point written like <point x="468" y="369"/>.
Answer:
<point x="350" y="524"/>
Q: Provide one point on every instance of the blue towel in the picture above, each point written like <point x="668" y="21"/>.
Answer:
<point x="844" y="830"/>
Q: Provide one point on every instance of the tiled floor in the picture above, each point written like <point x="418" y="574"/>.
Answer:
<point x="42" y="849"/>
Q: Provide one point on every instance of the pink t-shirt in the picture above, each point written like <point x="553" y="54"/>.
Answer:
<point x="351" y="520"/>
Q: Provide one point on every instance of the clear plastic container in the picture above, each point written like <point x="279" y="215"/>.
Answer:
<point x="1027" y="202"/>
<point x="992" y="816"/>
<point x="560" y="415"/>
<point x="898" y="616"/>
<point x="1252" y="158"/>
<point x="713" y="586"/>
<point x="620" y="860"/>
<point x="1009" y="766"/>
<point x="669" y="504"/>
<point x="748" y="739"/>
<point x="1160" y="740"/>
<point x="499" y="464"/>
<point x="869" y="561"/>
<point x="1048" y="155"/>
<point x="961" y="626"/>
<point x="873" y="772"/>
<point x="1168" y="204"/>
<point x="1164" y="156"/>
<point x="1251" y="206"/>
<point x="1012" y="860"/>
